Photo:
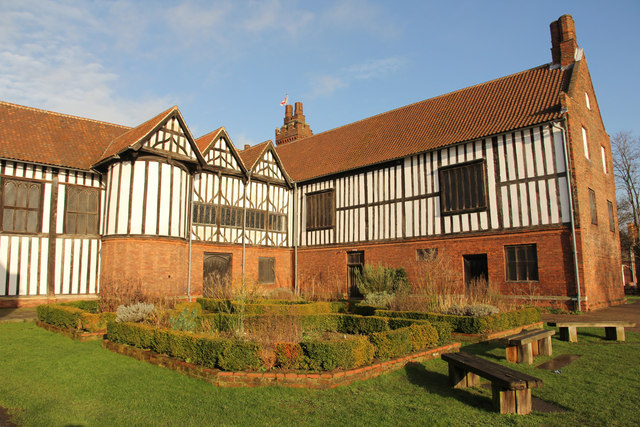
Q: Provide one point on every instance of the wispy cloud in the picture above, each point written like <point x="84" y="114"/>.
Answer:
<point x="327" y="84"/>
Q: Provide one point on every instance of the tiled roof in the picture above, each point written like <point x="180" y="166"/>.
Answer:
<point x="508" y="103"/>
<point x="134" y="135"/>
<point x="41" y="136"/>
<point x="251" y="155"/>
<point x="205" y="140"/>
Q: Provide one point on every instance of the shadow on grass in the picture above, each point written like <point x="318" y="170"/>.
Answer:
<point x="435" y="382"/>
<point x="485" y="348"/>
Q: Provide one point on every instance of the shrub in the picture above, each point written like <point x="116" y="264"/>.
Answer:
<point x="381" y="279"/>
<point x="422" y="336"/>
<point x="62" y="316"/>
<point x="391" y="343"/>
<point x="364" y="325"/>
<point x="379" y="299"/>
<point x="344" y="353"/>
<point x="289" y="355"/>
<point x="137" y="312"/>
<point x="478" y="310"/>
<point x="187" y="320"/>
<point x="90" y="306"/>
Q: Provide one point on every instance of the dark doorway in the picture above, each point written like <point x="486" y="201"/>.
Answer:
<point x="355" y="262"/>
<point x="476" y="272"/>
<point x="216" y="278"/>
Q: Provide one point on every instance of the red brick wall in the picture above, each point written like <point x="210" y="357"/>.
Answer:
<point x="601" y="280"/>
<point x="157" y="264"/>
<point x="328" y="266"/>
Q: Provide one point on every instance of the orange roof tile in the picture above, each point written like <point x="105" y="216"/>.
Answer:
<point x="519" y="100"/>
<point x="205" y="140"/>
<point x="41" y="136"/>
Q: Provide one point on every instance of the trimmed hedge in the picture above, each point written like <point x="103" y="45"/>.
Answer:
<point x="222" y="353"/>
<point x="398" y="342"/>
<point x="265" y="306"/>
<point x="90" y="306"/>
<point x="68" y="316"/>
<point x="472" y="325"/>
<point x="347" y="353"/>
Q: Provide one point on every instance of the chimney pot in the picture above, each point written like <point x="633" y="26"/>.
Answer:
<point x="246" y="146"/>
<point x="563" y="41"/>
<point x="288" y="113"/>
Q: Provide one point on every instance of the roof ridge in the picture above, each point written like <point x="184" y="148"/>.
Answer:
<point x="54" y="113"/>
<point x="418" y="102"/>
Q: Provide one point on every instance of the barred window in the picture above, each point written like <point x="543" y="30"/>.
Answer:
<point x="592" y="203"/>
<point x="321" y="210"/>
<point x="81" y="211"/>
<point x="277" y="222"/>
<point x="462" y="188"/>
<point x="230" y="217"/>
<point x="266" y="270"/>
<point x="256" y="220"/>
<point x="521" y="262"/>
<point x="21" y="206"/>
<point x="204" y="213"/>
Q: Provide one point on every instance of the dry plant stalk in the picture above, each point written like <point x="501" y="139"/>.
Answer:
<point x="315" y="287"/>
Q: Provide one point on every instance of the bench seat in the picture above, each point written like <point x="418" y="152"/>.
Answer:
<point x="524" y="346"/>
<point x="614" y="329"/>
<point x="511" y="390"/>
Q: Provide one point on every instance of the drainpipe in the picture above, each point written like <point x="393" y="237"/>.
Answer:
<point x="294" y="229"/>
<point x="571" y="210"/>
<point x="244" y="236"/>
<point x="189" y="230"/>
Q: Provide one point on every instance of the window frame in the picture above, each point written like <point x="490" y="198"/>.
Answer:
<point x="587" y="100"/>
<point x="197" y="209"/>
<point x="447" y="190"/>
<point x="510" y="268"/>
<point x="39" y="210"/>
<point x="313" y="202"/>
<point x="271" y="279"/>
<point x="585" y="143"/>
<point x="603" y="152"/>
<point x="612" y="221"/>
<point x="68" y="189"/>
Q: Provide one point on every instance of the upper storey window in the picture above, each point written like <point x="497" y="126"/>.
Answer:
<point x="81" y="211"/>
<point x="463" y="188"/>
<point x="321" y="210"/>
<point x="604" y="159"/>
<point x="21" y="206"/>
<point x="586" y="100"/>
<point x="584" y="141"/>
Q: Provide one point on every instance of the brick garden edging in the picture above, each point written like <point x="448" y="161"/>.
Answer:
<point x="321" y="380"/>
<point x="72" y="333"/>
<point x="495" y="335"/>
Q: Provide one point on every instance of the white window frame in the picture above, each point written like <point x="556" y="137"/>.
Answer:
<point x="587" y="101"/>
<point x="603" y="151"/>
<point x="585" y="143"/>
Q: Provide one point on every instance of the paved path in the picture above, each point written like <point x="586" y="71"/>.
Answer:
<point x="628" y="312"/>
<point x="24" y="314"/>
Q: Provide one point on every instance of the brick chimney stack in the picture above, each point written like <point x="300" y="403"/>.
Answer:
<point x="563" y="41"/>
<point x="295" y="126"/>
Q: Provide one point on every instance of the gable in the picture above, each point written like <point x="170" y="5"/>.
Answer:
<point x="171" y="138"/>
<point x="268" y="167"/>
<point x="221" y="154"/>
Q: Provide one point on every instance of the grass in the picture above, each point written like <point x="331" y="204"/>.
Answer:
<point x="48" y="379"/>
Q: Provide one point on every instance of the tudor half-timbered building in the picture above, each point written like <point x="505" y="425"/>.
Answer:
<point x="510" y="180"/>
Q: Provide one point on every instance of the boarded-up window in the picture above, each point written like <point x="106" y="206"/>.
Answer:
<point x="521" y="262"/>
<point x="612" y="222"/>
<point x="592" y="203"/>
<point x="277" y="222"/>
<point x="321" y="209"/>
<point x="463" y="188"/>
<point x="21" y="206"/>
<point x="266" y="270"/>
<point x="204" y="213"/>
<point x="81" y="211"/>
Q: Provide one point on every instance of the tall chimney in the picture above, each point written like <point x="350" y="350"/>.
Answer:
<point x="295" y="126"/>
<point x="563" y="41"/>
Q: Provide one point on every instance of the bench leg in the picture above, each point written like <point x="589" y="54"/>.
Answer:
<point x="535" y="349"/>
<point x="545" y="346"/>
<point x="615" y="333"/>
<point x="512" y="354"/>
<point x="568" y="333"/>
<point x="461" y="378"/>
<point x="511" y="401"/>
<point x="525" y="354"/>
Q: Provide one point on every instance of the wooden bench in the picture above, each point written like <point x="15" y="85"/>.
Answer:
<point x="614" y="330"/>
<point x="524" y="346"/>
<point x="511" y="390"/>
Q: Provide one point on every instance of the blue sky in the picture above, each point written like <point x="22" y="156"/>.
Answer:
<point x="230" y="63"/>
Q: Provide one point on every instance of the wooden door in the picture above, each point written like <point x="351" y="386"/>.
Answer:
<point x="216" y="275"/>
<point x="355" y="262"/>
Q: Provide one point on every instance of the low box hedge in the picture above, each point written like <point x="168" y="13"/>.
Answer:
<point x="399" y="342"/>
<point x="472" y="325"/>
<point x="69" y="316"/>
<point x="265" y="306"/>
<point x="344" y="353"/>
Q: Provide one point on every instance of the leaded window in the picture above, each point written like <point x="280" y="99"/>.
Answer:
<point x="21" y="206"/>
<point x="463" y="188"/>
<point x="321" y="210"/>
<point x="81" y="211"/>
<point x="521" y="263"/>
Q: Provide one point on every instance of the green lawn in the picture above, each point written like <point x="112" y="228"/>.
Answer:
<point x="47" y="379"/>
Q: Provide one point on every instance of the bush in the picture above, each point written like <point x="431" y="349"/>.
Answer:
<point x="344" y="353"/>
<point x="381" y="279"/>
<point x="90" y="306"/>
<point x="289" y="355"/>
<point x="379" y="299"/>
<point x="391" y="344"/>
<point x="478" y="310"/>
<point x="65" y="317"/>
<point x="186" y="320"/>
<point x="137" y="312"/>
<point x="278" y="307"/>
<point x="364" y="325"/>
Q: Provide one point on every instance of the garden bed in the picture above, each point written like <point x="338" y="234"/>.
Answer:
<point x="78" y="320"/>
<point x="315" y="380"/>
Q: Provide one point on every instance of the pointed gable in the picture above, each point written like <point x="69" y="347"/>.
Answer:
<point x="165" y="134"/>
<point x="219" y="152"/>
<point x="263" y="161"/>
